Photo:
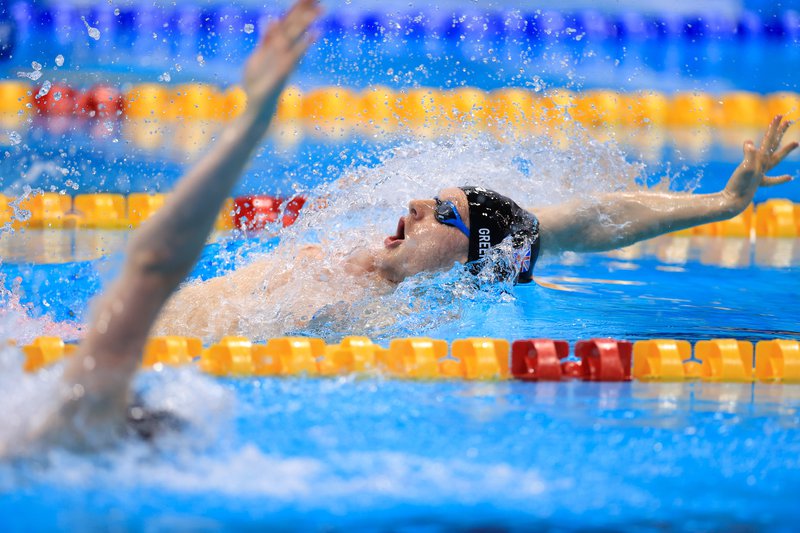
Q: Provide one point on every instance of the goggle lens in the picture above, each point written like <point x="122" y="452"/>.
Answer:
<point x="446" y="213"/>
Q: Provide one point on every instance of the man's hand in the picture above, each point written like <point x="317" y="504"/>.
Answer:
<point x="275" y="57"/>
<point x="751" y="174"/>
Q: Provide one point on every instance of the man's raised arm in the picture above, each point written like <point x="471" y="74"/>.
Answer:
<point x="620" y="219"/>
<point x="164" y="249"/>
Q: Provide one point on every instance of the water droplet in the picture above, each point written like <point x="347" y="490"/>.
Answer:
<point x="249" y="28"/>
<point x="116" y="12"/>
<point x="35" y="75"/>
<point x="45" y="88"/>
<point x="57" y="96"/>
<point x="165" y="77"/>
<point x="94" y="33"/>
<point x="36" y="65"/>
<point x="14" y="138"/>
<point x="60" y="60"/>
<point x="201" y="60"/>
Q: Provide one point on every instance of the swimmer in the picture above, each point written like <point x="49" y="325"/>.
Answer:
<point x="450" y="228"/>
<point x="459" y="224"/>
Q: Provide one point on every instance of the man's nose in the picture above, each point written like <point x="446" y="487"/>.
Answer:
<point x="417" y="208"/>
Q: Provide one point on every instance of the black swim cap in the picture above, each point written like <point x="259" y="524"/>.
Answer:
<point x="492" y="218"/>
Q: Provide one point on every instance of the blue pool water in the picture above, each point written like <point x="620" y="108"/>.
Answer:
<point x="347" y="454"/>
<point x="374" y="453"/>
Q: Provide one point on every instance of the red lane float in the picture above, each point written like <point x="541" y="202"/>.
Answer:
<point x="101" y="101"/>
<point x="571" y="368"/>
<point x="256" y="211"/>
<point x="60" y="100"/>
<point x="605" y="359"/>
<point x="292" y="210"/>
<point x="538" y="359"/>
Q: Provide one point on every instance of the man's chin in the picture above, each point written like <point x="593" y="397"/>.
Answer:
<point x="388" y="272"/>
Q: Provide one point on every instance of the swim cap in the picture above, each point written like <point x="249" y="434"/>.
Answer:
<point x="492" y="218"/>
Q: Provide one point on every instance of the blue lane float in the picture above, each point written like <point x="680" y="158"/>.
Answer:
<point x="184" y="20"/>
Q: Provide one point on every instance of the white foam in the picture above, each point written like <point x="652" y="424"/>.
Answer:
<point x="248" y="471"/>
<point x="27" y="401"/>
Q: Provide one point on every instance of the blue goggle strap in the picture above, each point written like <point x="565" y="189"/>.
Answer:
<point x="456" y="221"/>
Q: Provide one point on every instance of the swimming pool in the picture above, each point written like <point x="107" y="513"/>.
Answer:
<point x="378" y="453"/>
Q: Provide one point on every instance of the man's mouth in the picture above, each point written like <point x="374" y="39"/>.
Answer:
<point x="395" y="240"/>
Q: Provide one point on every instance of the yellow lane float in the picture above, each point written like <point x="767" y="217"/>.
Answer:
<point x="691" y="109"/>
<point x="778" y="218"/>
<point x="376" y="108"/>
<point x="414" y="358"/>
<point x="148" y="100"/>
<point x="44" y="351"/>
<point x="742" y="109"/>
<point x="234" y="103"/>
<point x="46" y="210"/>
<point x="100" y="211"/>
<point x="196" y="101"/>
<point x="6" y="212"/>
<point x="290" y="105"/>
<point x="661" y="359"/>
<point x="171" y="350"/>
<point x="289" y="356"/>
<point x="483" y="358"/>
<point x="644" y="108"/>
<point x="725" y="359"/>
<point x="16" y="102"/>
<point x="142" y="206"/>
<point x="778" y="360"/>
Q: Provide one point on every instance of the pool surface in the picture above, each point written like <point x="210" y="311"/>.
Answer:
<point x="347" y="454"/>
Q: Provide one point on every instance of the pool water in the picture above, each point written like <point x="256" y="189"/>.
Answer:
<point x="352" y="453"/>
<point x="382" y="454"/>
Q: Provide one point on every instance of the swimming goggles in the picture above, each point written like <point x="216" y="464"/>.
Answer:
<point x="446" y="213"/>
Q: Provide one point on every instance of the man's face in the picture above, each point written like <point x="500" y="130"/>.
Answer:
<point x="421" y="242"/>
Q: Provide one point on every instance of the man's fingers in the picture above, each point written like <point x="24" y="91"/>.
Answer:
<point x="748" y="148"/>
<point x="294" y="24"/>
<point x="272" y="28"/>
<point x="783" y="152"/>
<point x="769" y="136"/>
<point x="299" y="7"/>
<point x="300" y="18"/>
<point x="769" y="181"/>
<point x="782" y="127"/>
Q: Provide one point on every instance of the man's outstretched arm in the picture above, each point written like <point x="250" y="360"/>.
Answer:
<point x="164" y="249"/>
<point x="615" y="220"/>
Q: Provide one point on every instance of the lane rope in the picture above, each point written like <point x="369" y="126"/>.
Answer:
<point x="386" y="108"/>
<point x="193" y="24"/>
<point x="721" y="360"/>
<point x="776" y="217"/>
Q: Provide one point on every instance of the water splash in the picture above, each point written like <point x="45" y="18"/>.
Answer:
<point x="94" y="33"/>
<point x="44" y="89"/>
<point x="298" y="288"/>
<point x="29" y="400"/>
<point x="35" y="74"/>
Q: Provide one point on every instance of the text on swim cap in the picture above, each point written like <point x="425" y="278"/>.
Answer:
<point x="484" y="241"/>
